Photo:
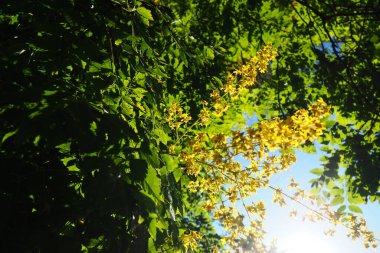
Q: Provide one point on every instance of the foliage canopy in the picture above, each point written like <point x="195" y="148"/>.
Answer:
<point x="86" y="91"/>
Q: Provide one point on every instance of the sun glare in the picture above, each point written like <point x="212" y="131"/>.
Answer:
<point x="305" y="243"/>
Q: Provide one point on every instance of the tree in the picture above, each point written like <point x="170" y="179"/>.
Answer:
<point x="92" y="160"/>
<point x="334" y="54"/>
<point x="81" y="103"/>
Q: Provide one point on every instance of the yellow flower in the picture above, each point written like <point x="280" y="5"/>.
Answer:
<point x="204" y="117"/>
<point x="190" y="240"/>
<point x="176" y="117"/>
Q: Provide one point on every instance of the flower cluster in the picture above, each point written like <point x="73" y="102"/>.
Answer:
<point x="358" y="229"/>
<point x="190" y="240"/>
<point x="224" y="181"/>
<point x="176" y="117"/>
<point x="295" y="130"/>
<point x="245" y="76"/>
<point x="210" y="158"/>
<point x="236" y="83"/>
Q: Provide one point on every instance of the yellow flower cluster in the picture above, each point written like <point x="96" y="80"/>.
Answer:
<point x="192" y="167"/>
<point x="236" y="82"/>
<point x="258" y="209"/>
<point x="190" y="240"/>
<point x="295" y="130"/>
<point x="204" y="117"/>
<point x="224" y="182"/>
<point x="279" y="198"/>
<point x="246" y="75"/>
<point x="176" y="117"/>
<point x="220" y="105"/>
<point x="358" y="229"/>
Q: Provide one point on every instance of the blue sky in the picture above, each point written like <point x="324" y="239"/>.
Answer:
<point x="286" y="230"/>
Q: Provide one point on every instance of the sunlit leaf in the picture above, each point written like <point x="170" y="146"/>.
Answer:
<point x="355" y="209"/>
<point x="317" y="171"/>
<point x="145" y="14"/>
<point x="337" y="200"/>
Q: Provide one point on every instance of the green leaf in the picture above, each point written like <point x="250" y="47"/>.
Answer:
<point x="73" y="168"/>
<point x="341" y="209"/>
<point x="49" y="92"/>
<point x="84" y="64"/>
<point x="151" y="246"/>
<point x="170" y="162"/>
<point x="161" y="224"/>
<point x="329" y="123"/>
<point x="209" y="53"/>
<point x="356" y="200"/>
<point x="309" y="149"/>
<point x="177" y="173"/>
<point x="337" y="191"/>
<point x="150" y="154"/>
<point x="317" y="171"/>
<point x="118" y="42"/>
<point x="138" y="92"/>
<point x="66" y="160"/>
<point x="93" y="127"/>
<point x="355" y="209"/>
<point x="326" y="149"/>
<point x="145" y="15"/>
<point x="153" y="182"/>
<point x="8" y="135"/>
<point x="64" y="148"/>
<point x="337" y="200"/>
<point x="152" y="228"/>
<point x="37" y="140"/>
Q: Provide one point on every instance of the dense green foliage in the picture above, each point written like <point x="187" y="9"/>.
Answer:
<point x="84" y="90"/>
